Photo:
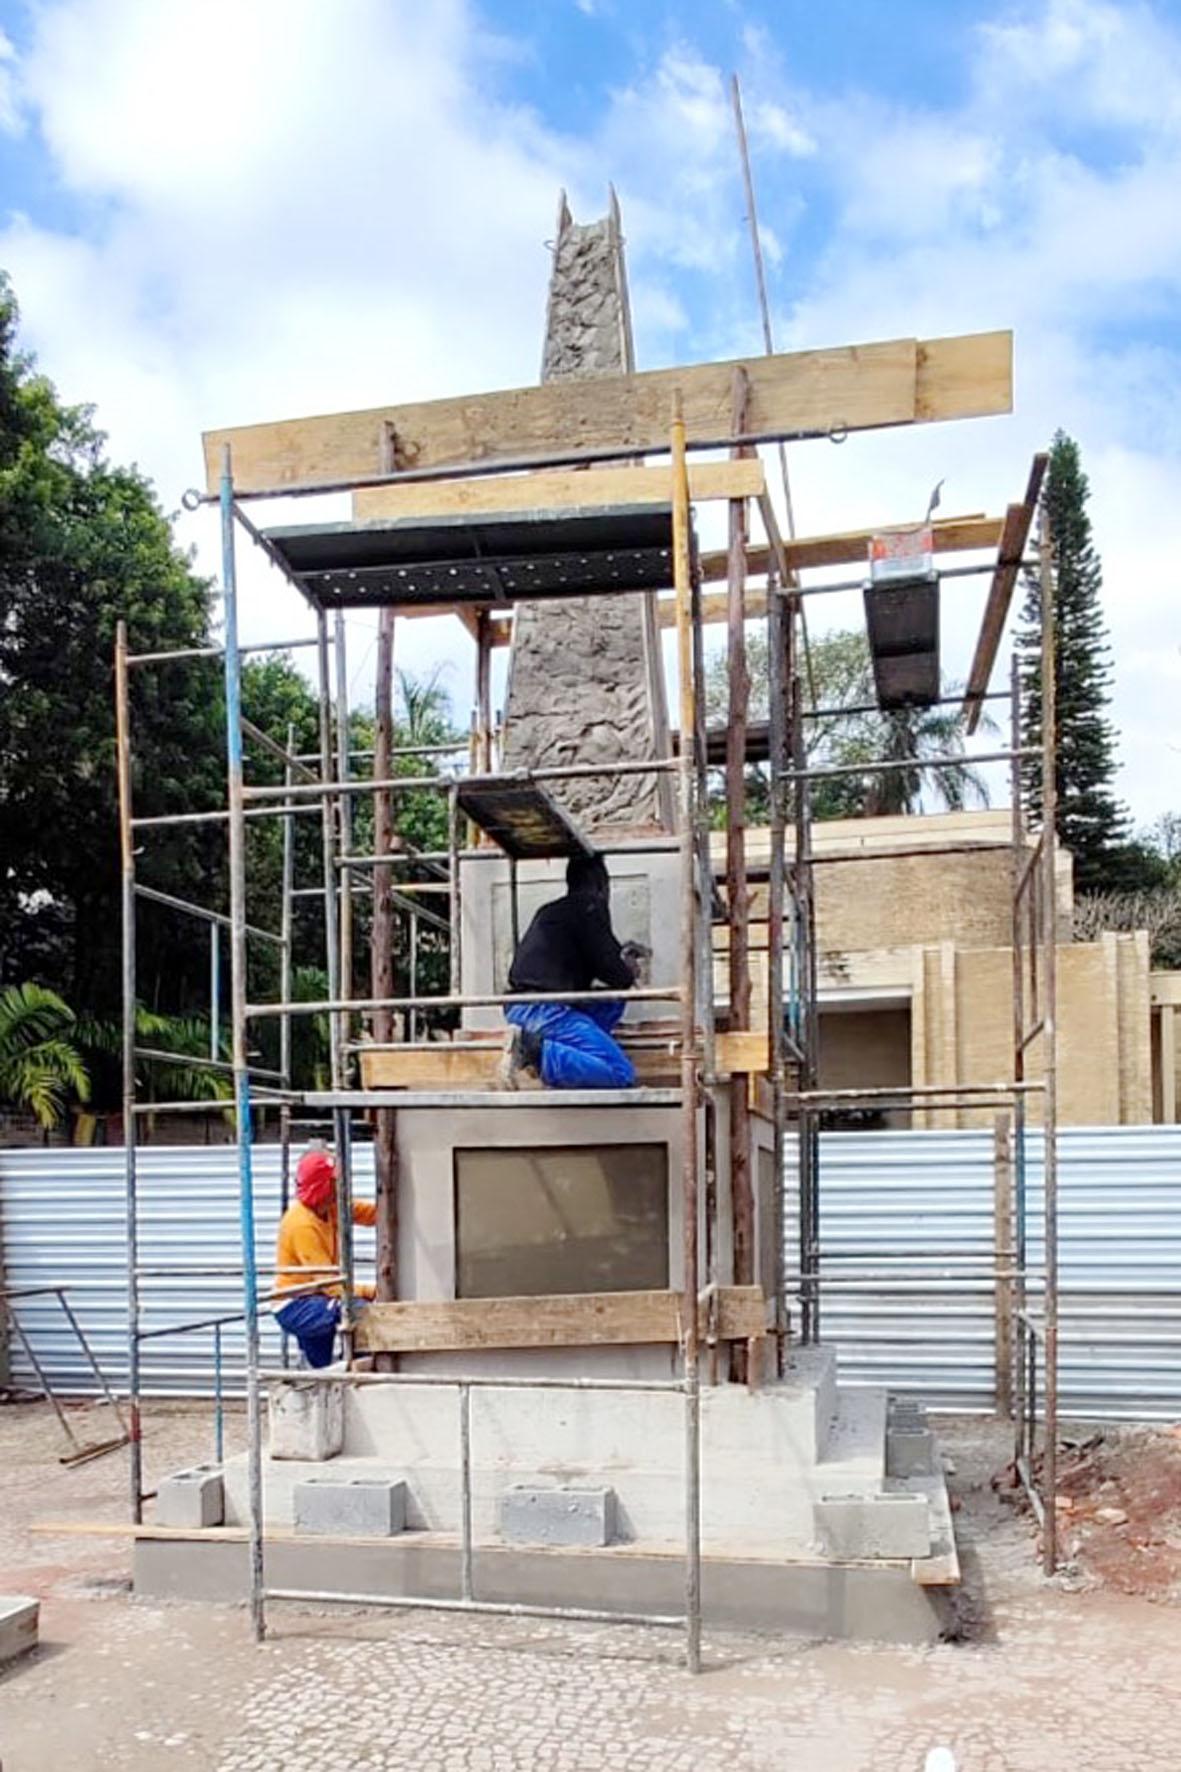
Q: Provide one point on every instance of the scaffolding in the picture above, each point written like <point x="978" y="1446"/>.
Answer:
<point x="624" y="555"/>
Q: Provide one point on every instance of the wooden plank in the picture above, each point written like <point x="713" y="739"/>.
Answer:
<point x="558" y="489"/>
<point x="446" y="1067"/>
<point x="849" y="387"/>
<point x="743" y="1049"/>
<point x="1010" y="552"/>
<point x="850" y="547"/>
<point x="585" y="1319"/>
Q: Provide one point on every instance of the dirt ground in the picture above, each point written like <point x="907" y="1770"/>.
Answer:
<point x="1043" y="1676"/>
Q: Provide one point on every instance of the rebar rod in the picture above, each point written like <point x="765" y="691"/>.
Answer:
<point x="237" y="849"/>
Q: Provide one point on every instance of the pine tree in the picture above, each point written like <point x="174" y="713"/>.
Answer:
<point x="1091" y="823"/>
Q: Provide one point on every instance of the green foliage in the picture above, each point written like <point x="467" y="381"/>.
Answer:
<point x="40" y="1064"/>
<point x="843" y="675"/>
<point x="188" y="1036"/>
<point x="1091" y="821"/>
<point x="81" y="544"/>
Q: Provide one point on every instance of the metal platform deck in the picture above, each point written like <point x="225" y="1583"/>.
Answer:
<point x="480" y="560"/>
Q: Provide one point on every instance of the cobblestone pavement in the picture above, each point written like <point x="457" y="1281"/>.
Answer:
<point x="1049" y="1679"/>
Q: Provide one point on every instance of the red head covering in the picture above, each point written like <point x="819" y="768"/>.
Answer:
<point x="315" y="1180"/>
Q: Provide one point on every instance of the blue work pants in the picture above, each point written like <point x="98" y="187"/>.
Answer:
<point x="312" y="1321"/>
<point x="577" y="1051"/>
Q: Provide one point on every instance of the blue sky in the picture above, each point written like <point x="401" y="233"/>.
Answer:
<point x="222" y="210"/>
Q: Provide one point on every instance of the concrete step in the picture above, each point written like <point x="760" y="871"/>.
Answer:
<point x="855" y="1449"/>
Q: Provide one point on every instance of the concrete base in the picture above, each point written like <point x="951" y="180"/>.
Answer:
<point x="306" y="1420"/>
<point x="19" y="1620"/>
<point x="850" y="1602"/>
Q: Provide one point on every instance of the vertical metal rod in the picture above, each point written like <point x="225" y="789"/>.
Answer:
<point x="780" y="634"/>
<point x="343" y="1140"/>
<point x="453" y="882"/>
<point x="413" y="1013"/>
<point x="344" y="822"/>
<point x="237" y="831"/>
<point x="131" y="1196"/>
<point x="738" y="909"/>
<point x="215" y="990"/>
<point x="382" y="964"/>
<point x="1003" y="1257"/>
<point x="328" y="830"/>
<point x="219" y="1426"/>
<point x="286" y="967"/>
<point x="682" y="580"/>
<point x="465" y="1491"/>
<point x="1019" y="1173"/>
<point x="484" y="691"/>
<point x="1047" y="894"/>
<point x="514" y="900"/>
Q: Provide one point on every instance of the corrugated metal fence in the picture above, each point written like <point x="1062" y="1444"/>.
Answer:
<point x="62" y="1223"/>
<point x="61" y="1216"/>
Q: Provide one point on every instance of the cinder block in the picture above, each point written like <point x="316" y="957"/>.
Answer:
<point x="557" y="1516"/>
<point x="889" y="1524"/>
<point x="910" y="1451"/>
<point x="19" y="1618"/>
<point x="192" y="1498"/>
<point x="307" y="1420"/>
<point x="350" y="1507"/>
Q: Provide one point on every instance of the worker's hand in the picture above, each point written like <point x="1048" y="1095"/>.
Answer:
<point x="638" y="957"/>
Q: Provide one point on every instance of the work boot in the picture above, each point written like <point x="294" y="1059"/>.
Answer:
<point x="521" y="1052"/>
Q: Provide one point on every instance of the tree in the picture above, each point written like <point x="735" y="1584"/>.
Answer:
<point x="1091" y="822"/>
<point x="859" y="732"/>
<point x="83" y="543"/>
<point x="40" y="1066"/>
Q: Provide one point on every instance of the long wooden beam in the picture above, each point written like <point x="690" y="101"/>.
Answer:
<point x="849" y="388"/>
<point x="850" y="547"/>
<point x="1010" y="552"/>
<point x="557" y="489"/>
<point x="579" y="1319"/>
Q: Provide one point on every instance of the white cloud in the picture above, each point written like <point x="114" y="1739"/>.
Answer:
<point x="328" y="217"/>
<point x="10" y="118"/>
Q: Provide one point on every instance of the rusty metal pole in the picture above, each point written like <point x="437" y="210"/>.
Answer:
<point x="1047" y="893"/>
<point x="385" y="1139"/>
<point x="1020" y="1228"/>
<point x="682" y="580"/>
<point x="1002" y="1201"/>
<point x="738" y="909"/>
<point x="484" y="692"/>
<point x="131" y="1198"/>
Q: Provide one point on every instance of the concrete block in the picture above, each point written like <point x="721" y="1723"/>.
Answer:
<point x="307" y="1420"/>
<point x="557" y="1516"/>
<point x="192" y="1498"/>
<point x="890" y="1524"/>
<point x="910" y="1451"/>
<point x="357" y="1507"/>
<point x="19" y="1618"/>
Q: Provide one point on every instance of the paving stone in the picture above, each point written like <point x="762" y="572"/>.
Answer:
<point x="19" y="1619"/>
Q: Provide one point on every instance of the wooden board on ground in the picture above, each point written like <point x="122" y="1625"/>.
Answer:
<point x="851" y="387"/>
<point x="557" y="489"/>
<point x="582" y="1319"/>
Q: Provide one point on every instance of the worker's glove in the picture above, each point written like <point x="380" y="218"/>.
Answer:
<point x="638" y="957"/>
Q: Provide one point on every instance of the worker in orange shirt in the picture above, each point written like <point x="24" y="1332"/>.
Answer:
<point x="309" y="1238"/>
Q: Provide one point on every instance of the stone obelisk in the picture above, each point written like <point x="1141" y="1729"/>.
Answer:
<point x="586" y="680"/>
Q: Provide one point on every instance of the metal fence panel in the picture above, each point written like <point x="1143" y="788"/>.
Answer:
<point x="61" y="1218"/>
<point x="62" y="1223"/>
<point x="1119" y="1263"/>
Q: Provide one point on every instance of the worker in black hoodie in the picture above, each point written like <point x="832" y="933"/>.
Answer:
<point x="571" y="946"/>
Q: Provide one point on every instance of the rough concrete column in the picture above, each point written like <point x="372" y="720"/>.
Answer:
<point x="586" y="681"/>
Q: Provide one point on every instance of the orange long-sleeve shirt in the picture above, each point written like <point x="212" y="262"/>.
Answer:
<point x="307" y="1240"/>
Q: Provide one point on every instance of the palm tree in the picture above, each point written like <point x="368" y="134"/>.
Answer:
<point x="907" y="734"/>
<point x="40" y="1065"/>
<point x="186" y="1036"/>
